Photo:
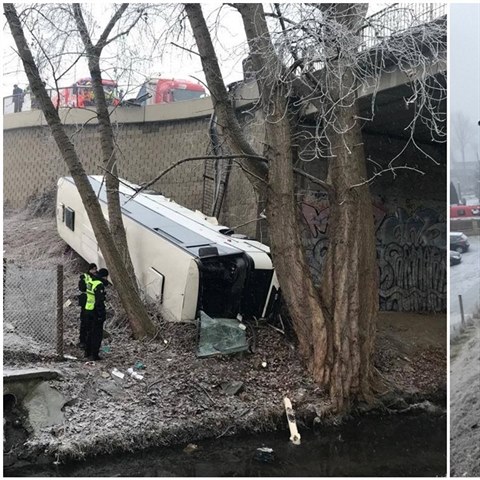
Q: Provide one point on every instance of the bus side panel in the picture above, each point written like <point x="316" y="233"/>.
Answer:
<point x="149" y="250"/>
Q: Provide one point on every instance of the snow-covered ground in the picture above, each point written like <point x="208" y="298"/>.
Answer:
<point x="464" y="404"/>
<point x="465" y="281"/>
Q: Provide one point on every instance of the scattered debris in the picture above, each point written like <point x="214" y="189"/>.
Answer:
<point x="169" y="410"/>
<point x="69" y="357"/>
<point x="134" y="374"/>
<point x="117" y="373"/>
<point x="139" y="365"/>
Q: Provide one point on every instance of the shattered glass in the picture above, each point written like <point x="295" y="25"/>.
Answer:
<point x="220" y="336"/>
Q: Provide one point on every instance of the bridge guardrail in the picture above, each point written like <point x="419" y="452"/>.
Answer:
<point x="32" y="309"/>
<point x="398" y="18"/>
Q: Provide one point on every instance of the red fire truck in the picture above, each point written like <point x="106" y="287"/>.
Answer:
<point x="81" y="94"/>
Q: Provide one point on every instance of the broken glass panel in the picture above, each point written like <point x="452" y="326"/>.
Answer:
<point x="220" y="336"/>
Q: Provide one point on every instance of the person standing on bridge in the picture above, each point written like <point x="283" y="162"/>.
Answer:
<point x="85" y="278"/>
<point x="17" y="98"/>
<point x="95" y="313"/>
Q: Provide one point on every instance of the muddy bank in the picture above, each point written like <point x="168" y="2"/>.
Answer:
<point x="181" y="398"/>
<point x="465" y="402"/>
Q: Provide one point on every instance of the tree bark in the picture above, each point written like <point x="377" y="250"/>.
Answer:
<point x="139" y="320"/>
<point x="301" y="298"/>
<point x="349" y="284"/>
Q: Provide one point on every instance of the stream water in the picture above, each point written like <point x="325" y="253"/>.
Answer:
<point x="395" y="445"/>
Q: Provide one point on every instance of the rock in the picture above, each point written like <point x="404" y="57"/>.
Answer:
<point x="301" y="394"/>
<point x="44" y="406"/>
<point x="111" y="388"/>
<point x="232" y="388"/>
<point x="265" y="454"/>
<point x="190" y="448"/>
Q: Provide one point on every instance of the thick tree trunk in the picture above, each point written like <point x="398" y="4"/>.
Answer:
<point x="349" y="283"/>
<point x="296" y="283"/>
<point x="301" y="298"/>
<point x="336" y="330"/>
<point x="139" y="320"/>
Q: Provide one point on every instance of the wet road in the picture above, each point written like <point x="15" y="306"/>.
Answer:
<point x="465" y="281"/>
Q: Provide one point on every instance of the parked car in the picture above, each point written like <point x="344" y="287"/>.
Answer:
<point x="455" y="258"/>
<point x="459" y="242"/>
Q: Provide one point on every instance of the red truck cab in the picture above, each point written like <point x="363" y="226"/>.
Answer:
<point x="165" y="90"/>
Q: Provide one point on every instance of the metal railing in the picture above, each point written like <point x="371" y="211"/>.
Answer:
<point x="32" y="309"/>
<point x="398" y="18"/>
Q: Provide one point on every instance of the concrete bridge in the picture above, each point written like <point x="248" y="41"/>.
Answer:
<point x="410" y="209"/>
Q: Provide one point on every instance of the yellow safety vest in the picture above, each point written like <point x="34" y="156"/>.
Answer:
<point x="91" y="286"/>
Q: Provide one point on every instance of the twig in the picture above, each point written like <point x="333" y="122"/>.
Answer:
<point x="226" y="430"/>
<point x="154" y="337"/>
<point x="206" y="393"/>
<point x="184" y="48"/>
<point x="148" y="387"/>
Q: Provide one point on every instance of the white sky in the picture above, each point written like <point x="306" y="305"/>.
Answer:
<point x="464" y="73"/>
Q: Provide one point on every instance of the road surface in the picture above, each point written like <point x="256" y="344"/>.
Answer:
<point x="465" y="281"/>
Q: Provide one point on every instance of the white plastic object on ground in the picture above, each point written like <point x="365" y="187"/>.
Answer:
<point x="292" y="423"/>
<point x="134" y="374"/>
<point x="117" y="373"/>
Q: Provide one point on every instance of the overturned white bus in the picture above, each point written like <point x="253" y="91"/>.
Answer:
<point x="181" y="259"/>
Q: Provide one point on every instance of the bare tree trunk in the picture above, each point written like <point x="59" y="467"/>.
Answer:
<point x="106" y="136"/>
<point x="138" y="317"/>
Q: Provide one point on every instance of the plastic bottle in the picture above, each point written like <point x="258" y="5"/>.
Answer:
<point x="134" y="374"/>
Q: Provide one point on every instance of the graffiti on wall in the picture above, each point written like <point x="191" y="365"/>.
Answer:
<point x="410" y="251"/>
<point x="412" y="261"/>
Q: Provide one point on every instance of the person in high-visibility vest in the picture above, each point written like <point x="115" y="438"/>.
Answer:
<point x="82" y="300"/>
<point x="95" y="313"/>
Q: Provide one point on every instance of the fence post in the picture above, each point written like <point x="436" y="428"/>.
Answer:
<point x="60" y="311"/>
<point x="4" y="279"/>
<point x="461" y="310"/>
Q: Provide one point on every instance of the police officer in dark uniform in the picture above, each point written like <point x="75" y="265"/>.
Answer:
<point x="95" y="313"/>
<point x="85" y="278"/>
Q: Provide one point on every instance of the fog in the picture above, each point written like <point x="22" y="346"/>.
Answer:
<point x="464" y="93"/>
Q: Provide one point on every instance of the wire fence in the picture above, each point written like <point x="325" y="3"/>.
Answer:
<point x="32" y="309"/>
